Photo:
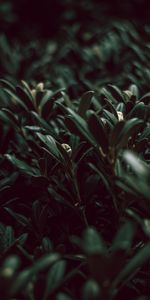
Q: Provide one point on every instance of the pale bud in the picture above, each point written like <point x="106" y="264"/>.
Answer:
<point x="67" y="148"/>
<point x="128" y="93"/>
<point x="33" y="92"/>
<point x="40" y="87"/>
<point x="25" y="84"/>
<point x="7" y="272"/>
<point x="120" y="116"/>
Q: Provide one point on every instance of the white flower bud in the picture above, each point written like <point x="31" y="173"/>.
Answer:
<point x="7" y="272"/>
<point x="40" y="87"/>
<point x="33" y="92"/>
<point x="120" y="116"/>
<point x="67" y="148"/>
<point x="25" y="84"/>
<point x="128" y="93"/>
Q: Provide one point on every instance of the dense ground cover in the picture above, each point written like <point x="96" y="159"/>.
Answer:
<point x="74" y="150"/>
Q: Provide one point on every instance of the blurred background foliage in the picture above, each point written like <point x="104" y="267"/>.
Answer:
<point x="46" y="17"/>
<point x="71" y="43"/>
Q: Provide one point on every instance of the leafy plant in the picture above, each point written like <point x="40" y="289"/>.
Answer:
<point x="74" y="152"/>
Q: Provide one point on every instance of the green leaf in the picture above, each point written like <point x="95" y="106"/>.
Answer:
<point x="134" y="90"/>
<point x="146" y="227"/>
<point x="130" y="128"/>
<point x="26" y="275"/>
<point x="93" y="243"/>
<point x="71" y="126"/>
<point x="113" y="119"/>
<point x="145" y="98"/>
<point x="45" y="262"/>
<point x="9" y="236"/>
<point x="18" y="217"/>
<point x="33" y="128"/>
<point x="97" y="129"/>
<point x="6" y="84"/>
<point x="124" y="237"/>
<point x="65" y="155"/>
<point x="108" y="96"/>
<point x="22" y="166"/>
<point x="21" y="281"/>
<point x="27" y="89"/>
<point x="133" y="265"/>
<point x="7" y="181"/>
<point x="22" y="238"/>
<point x="116" y="92"/>
<point x="42" y="122"/>
<point x="138" y="111"/>
<point x="11" y="116"/>
<point x="91" y="290"/>
<point x="111" y="107"/>
<point x="113" y="139"/>
<point x="47" y="245"/>
<point x="96" y="101"/>
<point x="25" y="97"/>
<point x="62" y="296"/>
<point x="5" y="118"/>
<point x="125" y="186"/>
<point x="46" y="104"/>
<point x="146" y="132"/>
<point x="80" y="123"/>
<point x="137" y="165"/>
<point x="139" y="187"/>
<point x="54" y="277"/>
<point x="85" y="103"/>
<point x="121" y="107"/>
<point x="12" y="262"/>
<point x="14" y="97"/>
<point x="51" y="146"/>
<point x="36" y="149"/>
<point x="67" y="100"/>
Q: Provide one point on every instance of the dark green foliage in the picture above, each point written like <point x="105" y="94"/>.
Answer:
<point x="99" y="151"/>
<point x="74" y="156"/>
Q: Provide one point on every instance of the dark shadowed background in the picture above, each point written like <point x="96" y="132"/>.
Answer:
<point x="29" y="17"/>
